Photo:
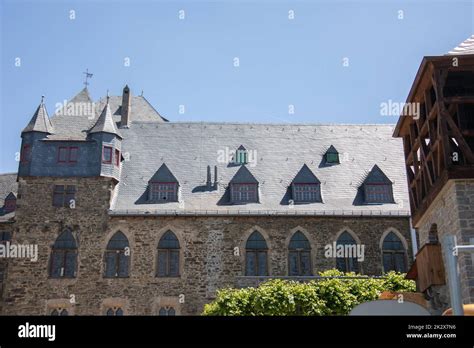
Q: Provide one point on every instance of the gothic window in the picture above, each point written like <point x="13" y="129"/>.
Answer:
<point x="256" y="262"/>
<point x="64" y="196"/>
<point x="115" y="311"/>
<point x="394" y="254"/>
<point x="168" y="256"/>
<point x="60" y="312"/>
<point x="117" y="256"/>
<point x="63" y="260"/>
<point x="299" y="256"/>
<point x="347" y="264"/>
<point x="167" y="311"/>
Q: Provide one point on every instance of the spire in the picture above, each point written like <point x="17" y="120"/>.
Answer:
<point x="105" y="123"/>
<point x="40" y="121"/>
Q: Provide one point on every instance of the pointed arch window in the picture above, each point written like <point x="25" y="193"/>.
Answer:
<point x="394" y="254"/>
<point x="299" y="256"/>
<point x="348" y="263"/>
<point x="256" y="257"/>
<point x="167" y="311"/>
<point x="59" y="312"/>
<point x="116" y="311"/>
<point x="168" y="256"/>
<point x="63" y="262"/>
<point x="117" y="256"/>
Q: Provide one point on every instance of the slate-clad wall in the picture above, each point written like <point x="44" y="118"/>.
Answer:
<point x="208" y="259"/>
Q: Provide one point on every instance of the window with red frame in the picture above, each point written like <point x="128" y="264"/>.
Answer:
<point x="117" y="157"/>
<point x="378" y="193"/>
<point x="107" y="154"/>
<point x="68" y="154"/>
<point x="25" y="153"/>
<point x="244" y="193"/>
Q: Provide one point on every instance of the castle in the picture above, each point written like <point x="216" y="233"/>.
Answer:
<point x="136" y="215"/>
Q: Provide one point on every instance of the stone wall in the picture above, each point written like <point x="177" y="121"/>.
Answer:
<point x="453" y="213"/>
<point x="212" y="251"/>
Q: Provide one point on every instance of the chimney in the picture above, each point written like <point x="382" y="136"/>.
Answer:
<point x="215" y="177"/>
<point x="208" y="180"/>
<point x="126" y="103"/>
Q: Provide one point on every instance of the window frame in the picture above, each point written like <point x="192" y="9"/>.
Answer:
<point x="155" y="190"/>
<point x="66" y="194"/>
<point x="388" y="193"/>
<point x="393" y="252"/>
<point x="255" y="252"/>
<point x="297" y="191"/>
<point x="117" y="157"/>
<point x="118" y="255"/>
<point x="64" y="253"/>
<point x="299" y="252"/>
<point x="109" y="149"/>
<point x="25" y="154"/>
<point x="236" y="190"/>
<point x="167" y="251"/>
<point x="68" y="157"/>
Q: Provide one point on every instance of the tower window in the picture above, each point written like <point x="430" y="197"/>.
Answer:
<point x="67" y="154"/>
<point x="63" y="260"/>
<point x="107" y="155"/>
<point x="64" y="196"/>
<point x="25" y="155"/>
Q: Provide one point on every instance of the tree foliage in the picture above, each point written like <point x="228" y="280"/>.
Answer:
<point x="327" y="296"/>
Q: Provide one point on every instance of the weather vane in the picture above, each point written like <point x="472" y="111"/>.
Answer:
<point x="88" y="75"/>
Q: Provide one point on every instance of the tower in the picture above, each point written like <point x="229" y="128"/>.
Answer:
<point x="437" y="127"/>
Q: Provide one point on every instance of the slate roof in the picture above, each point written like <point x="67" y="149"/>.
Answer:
<point x="243" y="176"/>
<point x="7" y="184"/>
<point x="163" y="174"/>
<point x="305" y="176"/>
<point x="40" y="121"/>
<point x="105" y="123"/>
<point x="465" y="47"/>
<point x="277" y="152"/>
<point x="80" y="114"/>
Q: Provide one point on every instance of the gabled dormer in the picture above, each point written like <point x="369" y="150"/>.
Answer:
<point x="163" y="187"/>
<point x="9" y="204"/>
<point x="241" y="156"/>
<point x="109" y="139"/>
<point x="38" y="128"/>
<point x="377" y="187"/>
<point x="306" y="187"/>
<point x="243" y="187"/>
<point x="331" y="156"/>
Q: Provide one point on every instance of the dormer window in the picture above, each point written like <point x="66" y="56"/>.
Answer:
<point x="243" y="187"/>
<point x="163" y="186"/>
<point x="306" y="187"/>
<point x="244" y="193"/>
<point x="164" y="192"/>
<point x="377" y="187"/>
<point x="241" y="155"/>
<point x="331" y="156"/>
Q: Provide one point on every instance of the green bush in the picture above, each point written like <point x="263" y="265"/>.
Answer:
<point x="329" y="296"/>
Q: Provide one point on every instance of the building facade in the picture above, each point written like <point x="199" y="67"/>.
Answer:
<point x="136" y="215"/>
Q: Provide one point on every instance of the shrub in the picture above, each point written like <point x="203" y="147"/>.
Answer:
<point x="328" y="296"/>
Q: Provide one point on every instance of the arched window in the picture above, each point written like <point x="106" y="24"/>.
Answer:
<point x="256" y="263"/>
<point x="117" y="256"/>
<point x="168" y="256"/>
<point x="394" y="254"/>
<point x="433" y="234"/>
<point x="116" y="311"/>
<point x="299" y="256"/>
<point x="59" y="312"/>
<point x="167" y="311"/>
<point x="63" y="260"/>
<point x="348" y="263"/>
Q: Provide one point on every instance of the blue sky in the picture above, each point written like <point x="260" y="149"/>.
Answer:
<point x="190" y="61"/>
